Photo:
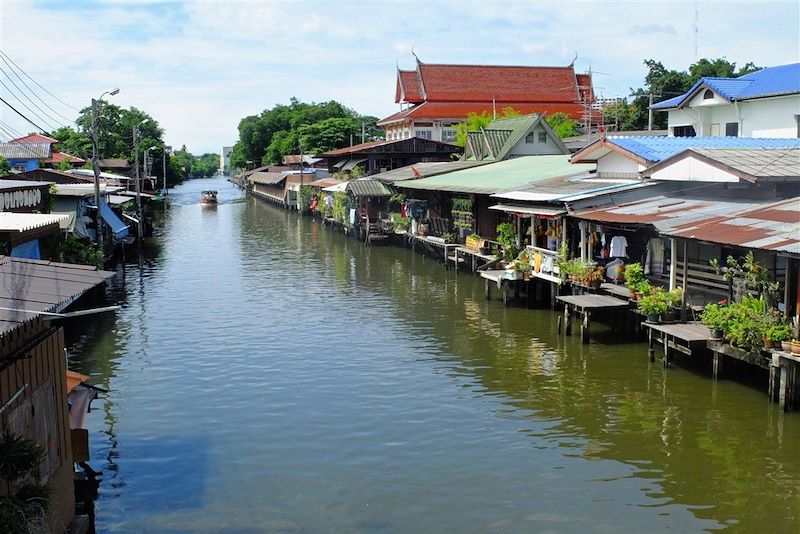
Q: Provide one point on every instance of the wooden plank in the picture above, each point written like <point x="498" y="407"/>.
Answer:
<point x="593" y="302"/>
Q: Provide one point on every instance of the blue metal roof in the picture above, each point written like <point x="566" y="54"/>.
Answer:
<point x="659" y="148"/>
<point x="772" y="81"/>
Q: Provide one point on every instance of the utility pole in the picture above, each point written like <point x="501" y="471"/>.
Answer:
<point x="164" y="171"/>
<point x="299" y="207"/>
<point x="98" y="223"/>
<point x="96" y="168"/>
<point x="139" y="225"/>
<point x="650" y="113"/>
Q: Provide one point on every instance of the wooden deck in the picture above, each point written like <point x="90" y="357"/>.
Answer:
<point x="687" y="338"/>
<point x="616" y="290"/>
<point x="500" y="278"/>
<point x="462" y="255"/>
<point x="585" y="305"/>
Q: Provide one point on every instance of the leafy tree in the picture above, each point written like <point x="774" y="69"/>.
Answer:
<point x="5" y="168"/>
<point x="63" y="165"/>
<point x="563" y="125"/>
<point x="478" y="121"/>
<point x="267" y="137"/>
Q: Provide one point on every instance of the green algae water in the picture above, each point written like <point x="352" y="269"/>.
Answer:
<point x="266" y="374"/>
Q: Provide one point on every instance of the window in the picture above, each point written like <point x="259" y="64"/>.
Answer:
<point x="423" y="134"/>
<point x="448" y="136"/>
<point x="19" y="167"/>
<point x="406" y="134"/>
<point x="529" y="138"/>
<point x="715" y="132"/>
<point x="732" y="129"/>
<point x="708" y="95"/>
<point x="683" y="131"/>
<point x="542" y="137"/>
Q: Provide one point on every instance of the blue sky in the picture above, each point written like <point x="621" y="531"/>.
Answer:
<point x="199" y="67"/>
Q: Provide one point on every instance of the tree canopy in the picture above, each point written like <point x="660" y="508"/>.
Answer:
<point x="192" y="166"/>
<point x="664" y="84"/>
<point x="560" y="122"/>
<point x="5" y="168"/>
<point x="265" y="138"/>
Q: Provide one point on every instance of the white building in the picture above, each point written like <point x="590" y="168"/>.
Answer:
<point x="765" y="103"/>
<point x="225" y="160"/>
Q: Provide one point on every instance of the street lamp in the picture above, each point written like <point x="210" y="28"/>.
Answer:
<point x="96" y="167"/>
<point x="164" y="163"/>
<point x="138" y="184"/>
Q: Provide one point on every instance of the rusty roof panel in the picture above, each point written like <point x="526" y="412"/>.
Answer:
<point x="751" y="223"/>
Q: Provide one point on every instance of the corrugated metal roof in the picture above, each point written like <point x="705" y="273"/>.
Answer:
<point x="567" y="188"/>
<point x="759" y="163"/>
<point x="500" y="176"/>
<point x="22" y="222"/>
<point x="82" y="190"/>
<point x="735" y="220"/>
<point x="771" y="81"/>
<point x="368" y="188"/>
<point x="267" y="178"/>
<point x="658" y="148"/>
<point x="528" y="209"/>
<point x="325" y="182"/>
<point x="119" y="200"/>
<point x="424" y="170"/>
<point x="25" y="150"/>
<point x="41" y="286"/>
<point x="20" y="184"/>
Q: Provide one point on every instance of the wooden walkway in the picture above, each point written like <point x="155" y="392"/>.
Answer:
<point x="460" y="254"/>
<point x="585" y="305"/>
<point x="687" y="338"/>
<point x="500" y="279"/>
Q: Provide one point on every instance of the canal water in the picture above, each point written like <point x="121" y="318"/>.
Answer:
<point x="266" y="374"/>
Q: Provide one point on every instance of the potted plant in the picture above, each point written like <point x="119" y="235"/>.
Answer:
<point x="449" y="237"/>
<point x="779" y="333"/>
<point x="595" y="277"/>
<point x="715" y="317"/>
<point x="634" y="277"/>
<point x="473" y="241"/>
<point x="795" y="346"/>
<point x="653" y="305"/>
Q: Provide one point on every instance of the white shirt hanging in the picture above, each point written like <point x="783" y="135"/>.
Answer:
<point x="619" y="247"/>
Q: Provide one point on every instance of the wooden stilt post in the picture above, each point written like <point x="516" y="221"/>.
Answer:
<point x="685" y="271"/>
<point x="567" y="320"/>
<point x="774" y="378"/>
<point x="505" y="293"/>
<point x="718" y="361"/>
<point x="488" y="288"/>
<point x="585" y="327"/>
<point x="651" y="351"/>
<point x="665" y="339"/>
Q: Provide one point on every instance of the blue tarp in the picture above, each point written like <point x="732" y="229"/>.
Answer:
<point x="119" y="228"/>
<point x="28" y="250"/>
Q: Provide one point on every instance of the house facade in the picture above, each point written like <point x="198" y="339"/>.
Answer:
<point x="765" y="103"/>
<point x="434" y="98"/>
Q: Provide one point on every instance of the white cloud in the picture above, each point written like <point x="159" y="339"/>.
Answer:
<point x="199" y="67"/>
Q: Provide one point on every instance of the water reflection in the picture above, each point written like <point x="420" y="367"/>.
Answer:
<point x="270" y="374"/>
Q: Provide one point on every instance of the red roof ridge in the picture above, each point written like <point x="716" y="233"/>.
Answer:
<point x="570" y="67"/>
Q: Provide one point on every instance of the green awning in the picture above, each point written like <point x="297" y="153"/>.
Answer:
<point x="368" y="188"/>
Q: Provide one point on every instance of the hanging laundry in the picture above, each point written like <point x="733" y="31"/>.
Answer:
<point x="619" y="247"/>
<point x="654" y="262"/>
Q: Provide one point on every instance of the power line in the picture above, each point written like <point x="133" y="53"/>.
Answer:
<point x="3" y="54"/>
<point x="21" y="115"/>
<point x="50" y="118"/>
<point x="28" y="87"/>
<point x="39" y="117"/>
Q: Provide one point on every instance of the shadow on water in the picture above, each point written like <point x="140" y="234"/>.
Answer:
<point x="267" y="373"/>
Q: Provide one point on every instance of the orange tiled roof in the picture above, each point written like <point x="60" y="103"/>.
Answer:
<point x="58" y="157"/>
<point x="35" y="138"/>
<point x="460" y="110"/>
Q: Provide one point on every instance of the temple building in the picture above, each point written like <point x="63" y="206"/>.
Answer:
<point x="434" y="98"/>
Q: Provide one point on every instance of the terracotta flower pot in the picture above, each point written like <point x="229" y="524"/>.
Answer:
<point x="795" y="348"/>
